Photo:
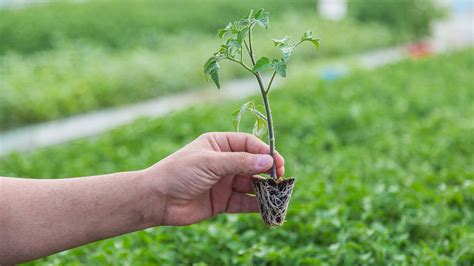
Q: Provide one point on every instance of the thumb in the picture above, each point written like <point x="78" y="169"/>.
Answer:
<point x="243" y="163"/>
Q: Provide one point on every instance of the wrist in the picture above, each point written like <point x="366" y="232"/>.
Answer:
<point x="154" y="207"/>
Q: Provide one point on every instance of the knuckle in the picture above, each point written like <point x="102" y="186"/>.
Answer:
<point x="205" y="135"/>
<point x="242" y="163"/>
<point x="212" y="162"/>
<point x="208" y="157"/>
<point x="250" y="136"/>
<point x="242" y="159"/>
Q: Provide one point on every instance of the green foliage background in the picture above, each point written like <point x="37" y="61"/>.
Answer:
<point x="82" y="76"/>
<point x="121" y="24"/>
<point x="66" y="57"/>
<point x="408" y="19"/>
<point x="383" y="161"/>
<point x="383" y="158"/>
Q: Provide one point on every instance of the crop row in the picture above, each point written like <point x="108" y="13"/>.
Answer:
<point x="383" y="161"/>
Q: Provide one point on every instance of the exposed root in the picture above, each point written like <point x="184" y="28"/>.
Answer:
<point x="273" y="197"/>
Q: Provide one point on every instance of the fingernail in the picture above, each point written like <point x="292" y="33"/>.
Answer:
<point x="264" y="161"/>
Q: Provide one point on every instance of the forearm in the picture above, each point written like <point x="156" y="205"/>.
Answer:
<point x="42" y="217"/>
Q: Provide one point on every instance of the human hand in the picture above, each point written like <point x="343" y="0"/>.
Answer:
<point x="209" y="176"/>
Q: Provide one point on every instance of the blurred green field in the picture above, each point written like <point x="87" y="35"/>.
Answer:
<point x="122" y="24"/>
<point x="384" y="167"/>
<point x="79" y="77"/>
<point x="61" y="58"/>
<point x="407" y="19"/>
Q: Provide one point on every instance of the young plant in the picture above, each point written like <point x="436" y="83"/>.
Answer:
<point x="273" y="193"/>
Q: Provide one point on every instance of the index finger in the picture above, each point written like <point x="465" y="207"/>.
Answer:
<point x="244" y="142"/>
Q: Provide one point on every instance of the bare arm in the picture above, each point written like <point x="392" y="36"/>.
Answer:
<point x="209" y="176"/>
<point x="41" y="217"/>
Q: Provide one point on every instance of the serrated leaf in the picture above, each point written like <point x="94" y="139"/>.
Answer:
<point x="260" y="127"/>
<point x="208" y="64"/>
<point x="222" y="50"/>
<point x="249" y="15"/>
<point x="233" y="43"/>
<point x="243" y="23"/>
<point x="222" y="32"/>
<point x="287" y="51"/>
<point x="239" y="112"/>
<point x="262" y="18"/>
<point x="242" y="34"/>
<point x="214" y="73"/>
<point x="262" y="64"/>
<point x="211" y="69"/>
<point x="235" y="27"/>
<point x="315" y="43"/>
<point x="233" y="46"/>
<point x="281" y="42"/>
<point x="285" y="46"/>
<point x="279" y="65"/>
<point x="259" y="13"/>
<point x="308" y="36"/>
<point x="247" y="107"/>
<point x="236" y="122"/>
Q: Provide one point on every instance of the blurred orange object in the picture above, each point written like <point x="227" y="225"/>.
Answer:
<point x="419" y="50"/>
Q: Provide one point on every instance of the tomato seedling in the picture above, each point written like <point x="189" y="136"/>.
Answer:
<point x="273" y="193"/>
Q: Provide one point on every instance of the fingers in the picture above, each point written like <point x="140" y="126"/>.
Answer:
<point x="242" y="184"/>
<point x="241" y="163"/>
<point x="243" y="142"/>
<point x="238" y="142"/>
<point x="280" y="164"/>
<point x="242" y="203"/>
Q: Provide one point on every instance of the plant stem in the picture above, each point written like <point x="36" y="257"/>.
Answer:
<point x="270" y="83"/>
<point x="266" y="103"/>
<point x="241" y="63"/>
<point x="241" y="54"/>
<point x="252" y="57"/>
<point x="271" y="134"/>
<point x="247" y="47"/>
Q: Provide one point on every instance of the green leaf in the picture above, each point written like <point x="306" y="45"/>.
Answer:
<point x="241" y="24"/>
<point x="239" y="112"/>
<point x="233" y="46"/>
<point x="249" y="107"/>
<point x="307" y="36"/>
<point x="237" y="116"/>
<point x="242" y="34"/>
<point x="260" y="127"/>
<point x="287" y="51"/>
<point x="222" y="32"/>
<point x="211" y="69"/>
<point x="214" y="73"/>
<point x="281" y="42"/>
<point x="208" y="64"/>
<point x="262" y="18"/>
<point x="262" y="64"/>
<point x="223" y="49"/>
<point x="315" y="43"/>
<point x="235" y="27"/>
<point x="258" y="14"/>
<point x="249" y="15"/>
<point x="279" y="65"/>
<point x="285" y="46"/>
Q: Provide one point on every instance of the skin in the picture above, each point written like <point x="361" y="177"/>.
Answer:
<point x="209" y="176"/>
